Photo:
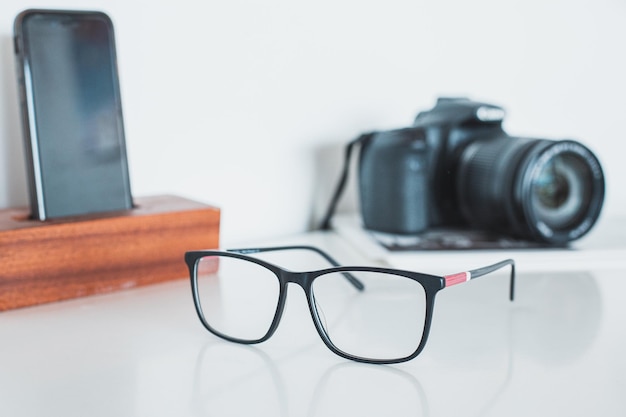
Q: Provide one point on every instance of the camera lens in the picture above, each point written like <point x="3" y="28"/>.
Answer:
<point x="549" y="191"/>
<point x="561" y="190"/>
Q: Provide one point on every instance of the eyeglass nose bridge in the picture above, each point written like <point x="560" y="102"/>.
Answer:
<point x="301" y="279"/>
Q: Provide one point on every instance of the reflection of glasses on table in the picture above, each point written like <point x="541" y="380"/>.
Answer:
<point x="366" y="314"/>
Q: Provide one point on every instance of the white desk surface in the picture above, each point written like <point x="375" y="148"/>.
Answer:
<point x="558" y="350"/>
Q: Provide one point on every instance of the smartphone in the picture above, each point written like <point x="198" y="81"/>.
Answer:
<point x="71" y="113"/>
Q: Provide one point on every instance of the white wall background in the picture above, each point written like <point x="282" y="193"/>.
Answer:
<point x="247" y="104"/>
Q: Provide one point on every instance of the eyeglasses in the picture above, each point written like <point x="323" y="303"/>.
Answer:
<point x="365" y="314"/>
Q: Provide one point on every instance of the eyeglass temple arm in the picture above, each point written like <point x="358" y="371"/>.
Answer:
<point x="461" y="277"/>
<point x="353" y="280"/>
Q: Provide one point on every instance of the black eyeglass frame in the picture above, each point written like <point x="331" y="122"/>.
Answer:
<point x="432" y="284"/>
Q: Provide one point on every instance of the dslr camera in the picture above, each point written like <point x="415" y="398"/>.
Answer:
<point x="457" y="168"/>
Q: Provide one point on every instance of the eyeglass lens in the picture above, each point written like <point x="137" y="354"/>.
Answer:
<point x="383" y="322"/>
<point x="238" y="298"/>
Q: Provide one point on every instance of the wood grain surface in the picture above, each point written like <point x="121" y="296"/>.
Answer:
<point x="42" y="262"/>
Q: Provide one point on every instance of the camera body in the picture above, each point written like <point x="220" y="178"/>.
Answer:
<point x="457" y="168"/>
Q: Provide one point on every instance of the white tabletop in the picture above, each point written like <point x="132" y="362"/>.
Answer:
<point x="558" y="350"/>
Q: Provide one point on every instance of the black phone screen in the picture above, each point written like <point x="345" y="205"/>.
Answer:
<point x="73" y="114"/>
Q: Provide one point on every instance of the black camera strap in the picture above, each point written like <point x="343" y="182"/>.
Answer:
<point x="343" y="179"/>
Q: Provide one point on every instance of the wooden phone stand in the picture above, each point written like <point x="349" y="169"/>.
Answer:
<point x="42" y="262"/>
